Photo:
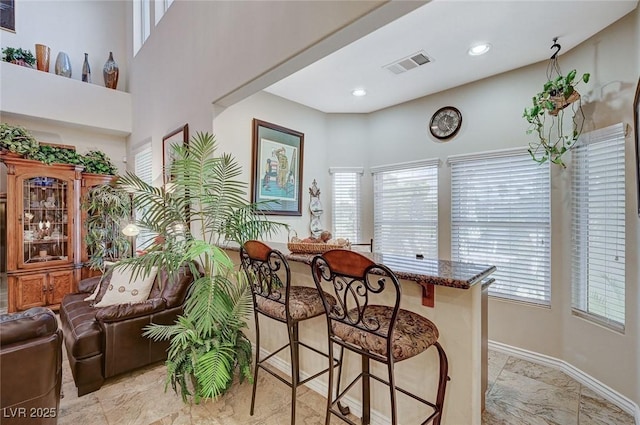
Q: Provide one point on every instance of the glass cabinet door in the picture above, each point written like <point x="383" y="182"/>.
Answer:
<point x="45" y="220"/>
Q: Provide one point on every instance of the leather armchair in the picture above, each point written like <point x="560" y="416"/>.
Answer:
<point x="107" y="341"/>
<point x="30" y="367"/>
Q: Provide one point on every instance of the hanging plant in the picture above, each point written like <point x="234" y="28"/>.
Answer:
<point x="546" y="117"/>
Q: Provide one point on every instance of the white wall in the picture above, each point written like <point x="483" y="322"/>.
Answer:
<point x="348" y="145"/>
<point x="82" y="117"/>
<point x="233" y="130"/>
<point x="492" y="119"/>
<point x="76" y="27"/>
<point x="492" y="111"/>
<point x="83" y="139"/>
<point x="204" y="51"/>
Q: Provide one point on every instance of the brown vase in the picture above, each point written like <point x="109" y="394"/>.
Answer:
<point x="110" y="73"/>
<point x="42" y="57"/>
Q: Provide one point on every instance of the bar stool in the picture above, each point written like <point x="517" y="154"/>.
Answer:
<point x="384" y="333"/>
<point x="273" y="296"/>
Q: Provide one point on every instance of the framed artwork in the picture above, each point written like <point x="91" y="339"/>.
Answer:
<point x="8" y="15"/>
<point x="636" y="130"/>
<point x="276" y="174"/>
<point x="179" y="136"/>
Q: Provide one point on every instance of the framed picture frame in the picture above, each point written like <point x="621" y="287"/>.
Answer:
<point x="276" y="172"/>
<point x="636" y="131"/>
<point x="179" y="136"/>
<point x="8" y="15"/>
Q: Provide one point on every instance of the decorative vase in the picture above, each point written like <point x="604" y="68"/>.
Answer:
<point x="86" y="69"/>
<point x="42" y="57"/>
<point x="110" y="73"/>
<point x="63" y="65"/>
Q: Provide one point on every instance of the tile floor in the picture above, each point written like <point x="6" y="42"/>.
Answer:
<point x="519" y="393"/>
<point x="524" y="393"/>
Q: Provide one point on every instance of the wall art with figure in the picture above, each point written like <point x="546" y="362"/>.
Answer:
<point x="277" y="169"/>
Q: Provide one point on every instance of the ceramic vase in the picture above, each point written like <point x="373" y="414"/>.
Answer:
<point x="110" y="73"/>
<point x="42" y="57"/>
<point x="86" y="69"/>
<point x="63" y="65"/>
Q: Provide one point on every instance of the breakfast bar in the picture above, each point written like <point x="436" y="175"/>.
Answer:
<point x="448" y="293"/>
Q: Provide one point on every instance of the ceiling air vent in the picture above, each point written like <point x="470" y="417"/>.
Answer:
<point x="408" y="63"/>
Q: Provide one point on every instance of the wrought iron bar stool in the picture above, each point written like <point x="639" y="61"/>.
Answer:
<point x="275" y="297"/>
<point x="381" y="332"/>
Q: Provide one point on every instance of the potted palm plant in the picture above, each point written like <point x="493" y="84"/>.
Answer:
<point x="203" y="207"/>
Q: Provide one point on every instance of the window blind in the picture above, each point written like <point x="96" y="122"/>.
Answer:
<point x="346" y="204"/>
<point x="143" y="168"/>
<point x="598" y="226"/>
<point x="500" y="215"/>
<point x="405" y="213"/>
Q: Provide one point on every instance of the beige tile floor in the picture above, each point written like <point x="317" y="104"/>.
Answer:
<point x="519" y="393"/>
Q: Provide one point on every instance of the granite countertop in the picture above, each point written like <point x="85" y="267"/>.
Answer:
<point x="423" y="271"/>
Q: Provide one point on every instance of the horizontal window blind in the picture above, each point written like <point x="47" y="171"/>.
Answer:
<point x="500" y="215"/>
<point x="406" y="208"/>
<point x="346" y="205"/>
<point x="598" y="226"/>
<point x="143" y="168"/>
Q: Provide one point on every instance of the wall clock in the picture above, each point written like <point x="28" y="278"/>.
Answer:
<point x="445" y="123"/>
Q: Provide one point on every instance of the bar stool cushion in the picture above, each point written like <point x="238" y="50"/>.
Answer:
<point x="412" y="334"/>
<point x="304" y="303"/>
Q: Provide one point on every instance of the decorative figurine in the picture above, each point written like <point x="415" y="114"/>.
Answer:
<point x="315" y="207"/>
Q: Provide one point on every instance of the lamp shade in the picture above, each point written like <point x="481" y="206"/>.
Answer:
<point x="131" y="230"/>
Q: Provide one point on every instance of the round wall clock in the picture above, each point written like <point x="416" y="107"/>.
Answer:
<point x="445" y="123"/>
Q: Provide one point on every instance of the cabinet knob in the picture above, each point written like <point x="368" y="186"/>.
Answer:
<point x="51" y="287"/>
<point x="44" y="288"/>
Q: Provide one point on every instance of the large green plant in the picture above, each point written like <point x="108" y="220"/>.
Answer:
<point x="204" y="206"/>
<point x="108" y="208"/>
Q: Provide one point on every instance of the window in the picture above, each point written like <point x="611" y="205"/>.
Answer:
<point x="598" y="227"/>
<point x="161" y="7"/>
<point x="143" y="168"/>
<point x="141" y="23"/>
<point x="346" y="203"/>
<point x="500" y="215"/>
<point x="405" y="213"/>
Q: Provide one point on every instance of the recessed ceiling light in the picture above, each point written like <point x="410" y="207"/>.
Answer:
<point x="479" y="49"/>
<point x="359" y="92"/>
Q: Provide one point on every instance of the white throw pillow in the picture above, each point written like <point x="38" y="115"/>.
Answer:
<point x="123" y="290"/>
<point x="92" y="297"/>
<point x="95" y="292"/>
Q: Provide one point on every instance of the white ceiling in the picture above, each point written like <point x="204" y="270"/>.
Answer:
<point x="521" y="33"/>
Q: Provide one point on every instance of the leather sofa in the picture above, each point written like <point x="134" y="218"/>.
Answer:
<point x="107" y="341"/>
<point x="30" y="367"/>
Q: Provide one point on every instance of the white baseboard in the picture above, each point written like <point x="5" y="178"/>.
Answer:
<point x="593" y="384"/>
<point x="321" y="388"/>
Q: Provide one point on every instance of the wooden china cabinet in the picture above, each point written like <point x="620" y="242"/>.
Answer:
<point x="43" y="232"/>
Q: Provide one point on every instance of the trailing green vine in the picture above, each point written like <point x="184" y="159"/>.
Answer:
<point x="546" y="116"/>
<point x="18" y="140"/>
